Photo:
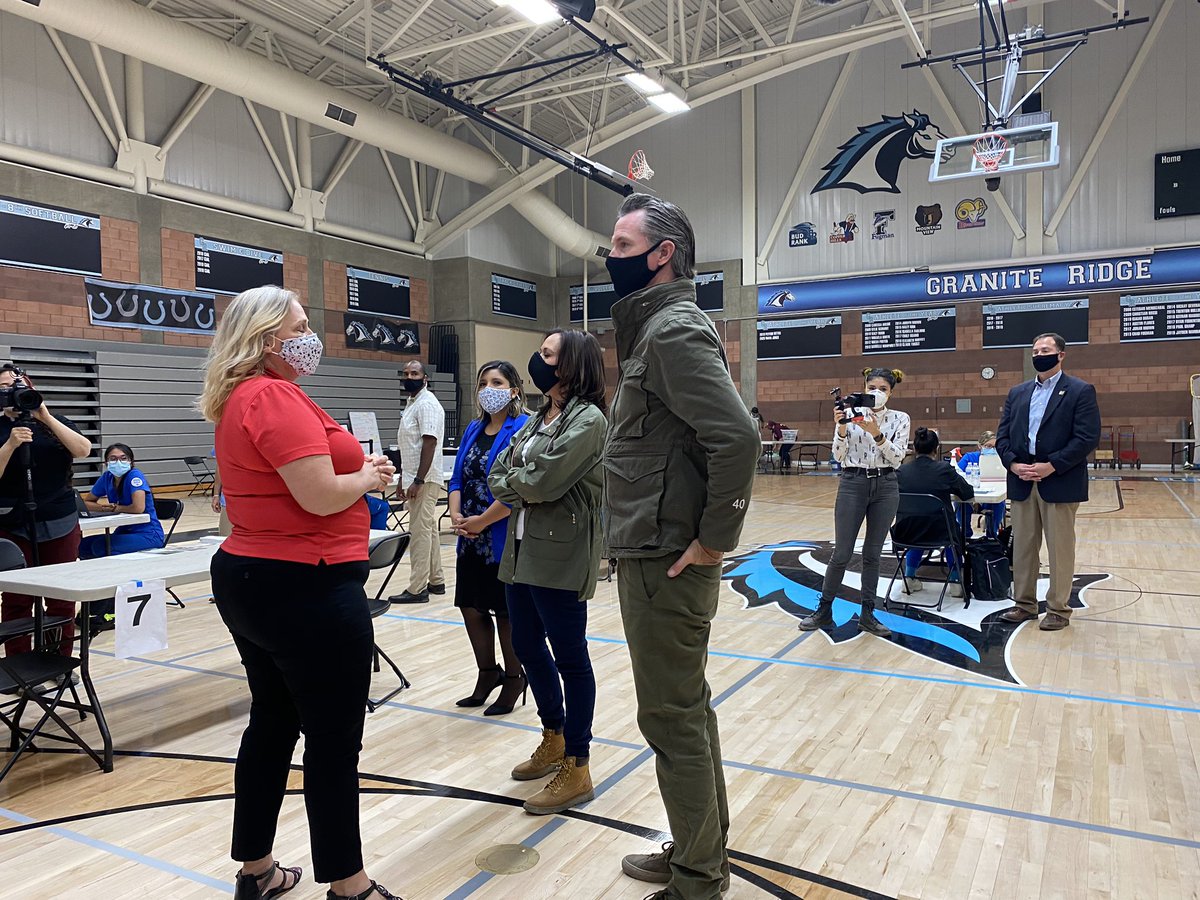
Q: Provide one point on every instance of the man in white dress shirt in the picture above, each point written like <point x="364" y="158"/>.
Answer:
<point x="419" y="437"/>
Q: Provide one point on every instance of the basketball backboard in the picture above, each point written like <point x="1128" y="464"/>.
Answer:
<point x="1023" y="149"/>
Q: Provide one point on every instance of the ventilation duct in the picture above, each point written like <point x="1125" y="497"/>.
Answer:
<point x="133" y="30"/>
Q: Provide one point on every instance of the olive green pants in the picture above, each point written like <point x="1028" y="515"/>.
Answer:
<point x="667" y="624"/>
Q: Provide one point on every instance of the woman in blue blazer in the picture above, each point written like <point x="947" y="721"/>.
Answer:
<point x="122" y="488"/>
<point x="479" y="520"/>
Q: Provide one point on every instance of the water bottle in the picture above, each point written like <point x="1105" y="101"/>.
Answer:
<point x="973" y="474"/>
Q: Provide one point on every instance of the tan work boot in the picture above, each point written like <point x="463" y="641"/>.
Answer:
<point x="570" y="787"/>
<point x="545" y="759"/>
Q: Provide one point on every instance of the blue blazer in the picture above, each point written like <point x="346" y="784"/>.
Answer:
<point x="1070" y="430"/>
<point x="499" y="530"/>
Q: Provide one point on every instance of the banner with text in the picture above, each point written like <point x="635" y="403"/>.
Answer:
<point x="1125" y="273"/>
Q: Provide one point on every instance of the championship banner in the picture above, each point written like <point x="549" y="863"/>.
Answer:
<point x="119" y="305"/>
<point x="379" y="333"/>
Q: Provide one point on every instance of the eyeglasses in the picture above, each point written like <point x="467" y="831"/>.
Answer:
<point x="118" y="459"/>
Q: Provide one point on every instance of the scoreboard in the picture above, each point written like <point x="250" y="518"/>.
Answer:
<point x="1176" y="184"/>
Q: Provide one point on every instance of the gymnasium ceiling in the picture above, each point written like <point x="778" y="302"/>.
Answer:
<point x="692" y="41"/>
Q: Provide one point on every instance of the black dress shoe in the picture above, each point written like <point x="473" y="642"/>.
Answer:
<point x="410" y="597"/>
<point x="1054" y="622"/>
<point x="437" y="589"/>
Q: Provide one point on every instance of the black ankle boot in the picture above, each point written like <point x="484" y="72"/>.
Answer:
<point x="822" y="618"/>
<point x="871" y="625"/>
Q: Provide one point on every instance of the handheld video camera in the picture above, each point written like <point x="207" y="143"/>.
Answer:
<point x="19" y="395"/>
<point x="856" y="407"/>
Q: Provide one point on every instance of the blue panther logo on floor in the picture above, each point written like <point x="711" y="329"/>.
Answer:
<point x="789" y="575"/>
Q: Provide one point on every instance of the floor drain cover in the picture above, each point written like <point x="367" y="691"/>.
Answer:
<point x="507" y="859"/>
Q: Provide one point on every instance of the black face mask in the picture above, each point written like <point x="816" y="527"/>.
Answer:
<point x="1045" y="363"/>
<point x="629" y="273"/>
<point x="543" y="375"/>
<point x="413" y="385"/>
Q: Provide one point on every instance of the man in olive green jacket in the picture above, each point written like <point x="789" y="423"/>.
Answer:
<point x="679" y="467"/>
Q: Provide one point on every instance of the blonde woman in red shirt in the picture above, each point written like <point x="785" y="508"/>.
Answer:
<point x="288" y="583"/>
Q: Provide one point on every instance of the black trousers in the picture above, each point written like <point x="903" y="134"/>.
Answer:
<point x="305" y="637"/>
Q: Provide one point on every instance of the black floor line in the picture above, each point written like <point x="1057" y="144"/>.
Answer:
<point x="413" y="787"/>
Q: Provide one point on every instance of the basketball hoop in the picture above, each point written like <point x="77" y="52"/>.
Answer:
<point x="639" y="169"/>
<point x="989" y="150"/>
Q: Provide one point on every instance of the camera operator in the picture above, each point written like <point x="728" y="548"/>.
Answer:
<point x="870" y="444"/>
<point x="54" y="443"/>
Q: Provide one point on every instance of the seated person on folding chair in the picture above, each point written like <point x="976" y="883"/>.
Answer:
<point x="927" y="474"/>
<point x="987" y="440"/>
<point x="122" y="488"/>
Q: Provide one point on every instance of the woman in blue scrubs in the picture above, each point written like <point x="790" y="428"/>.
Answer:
<point x="122" y="488"/>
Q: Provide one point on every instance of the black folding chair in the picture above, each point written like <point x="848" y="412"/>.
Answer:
<point x="168" y="508"/>
<point x="386" y="554"/>
<point x="205" y="477"/>
<point x="22" y="674"/>
<point x="940" y="531"/>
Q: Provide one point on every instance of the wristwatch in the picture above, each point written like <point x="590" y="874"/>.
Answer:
<point x="418" y="480"/>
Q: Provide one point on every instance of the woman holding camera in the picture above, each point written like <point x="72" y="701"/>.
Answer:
<point x="47" y="445"/>
<point x="870" y="444"/>
<point x="288" y="583"/>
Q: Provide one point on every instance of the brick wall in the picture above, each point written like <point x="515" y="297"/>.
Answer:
<point x="1143" y="385"/>
<point x="336" y="303"/>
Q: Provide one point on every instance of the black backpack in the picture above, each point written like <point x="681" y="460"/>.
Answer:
<point x="991" y="569"/>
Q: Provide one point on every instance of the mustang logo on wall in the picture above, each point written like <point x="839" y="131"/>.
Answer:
<point x="870" y="161"/>
<point x="790" y="574"/>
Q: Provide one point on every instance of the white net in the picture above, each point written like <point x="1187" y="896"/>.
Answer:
<point x="989" y="151"/>
<point x="639" y="169"/>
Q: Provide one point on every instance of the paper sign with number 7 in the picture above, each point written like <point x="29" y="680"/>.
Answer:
<point x="141" y="610"/>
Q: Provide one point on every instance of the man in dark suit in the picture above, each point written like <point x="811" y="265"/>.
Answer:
<point x="1048" y="428"/>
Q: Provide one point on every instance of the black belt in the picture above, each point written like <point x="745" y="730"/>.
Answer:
<point x="870" y="473"/>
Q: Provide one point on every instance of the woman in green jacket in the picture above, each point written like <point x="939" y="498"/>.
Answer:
<point x="550" y="475"/>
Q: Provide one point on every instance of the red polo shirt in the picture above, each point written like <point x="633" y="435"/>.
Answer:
<point x="267" y="423"/>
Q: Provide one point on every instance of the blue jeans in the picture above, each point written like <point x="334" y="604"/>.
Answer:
<point x="914" y="558"/>
<point x="563" y="684"/>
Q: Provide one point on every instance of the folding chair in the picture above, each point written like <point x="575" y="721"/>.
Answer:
<point x="168" y="508"/>
<point x="942" y="531"/>
<point x="386" y="555"/>
<point x="22" y="674"/>
<point x="205" y="477"/>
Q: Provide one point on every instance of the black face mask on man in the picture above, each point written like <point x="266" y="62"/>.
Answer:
<point x="629" y="273"/>
<point x="413" y="385"/>
<point x="541" y="373"/>
<point x="1045" y="363"/>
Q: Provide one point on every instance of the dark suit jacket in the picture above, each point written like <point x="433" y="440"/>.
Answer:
<point x="928" y="476"/>
<point x="1070" y="430"/>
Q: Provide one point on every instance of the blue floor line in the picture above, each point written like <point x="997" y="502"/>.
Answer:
<point x="906" y="676"/>
<point x="125" y="853"/>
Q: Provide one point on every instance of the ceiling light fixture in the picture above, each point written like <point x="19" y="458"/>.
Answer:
<point x="669" y="103"/>
<point x="537" y="11"/>
<point x="643" y="83"/>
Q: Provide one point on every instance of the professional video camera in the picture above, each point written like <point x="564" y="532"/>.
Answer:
<point x="19" y="395"/>
<point x="856" y="407"/>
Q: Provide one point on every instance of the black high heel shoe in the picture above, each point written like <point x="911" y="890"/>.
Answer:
<point x="251" y="887"/>
<point x="500" y="708"/>
<point x="487" y="681"/>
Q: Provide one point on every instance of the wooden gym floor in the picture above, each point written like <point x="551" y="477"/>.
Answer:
<point x="961" y="760"/>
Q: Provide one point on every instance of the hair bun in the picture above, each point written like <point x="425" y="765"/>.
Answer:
<point x="898" y="375"/>
<point x="866" y="371"/>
